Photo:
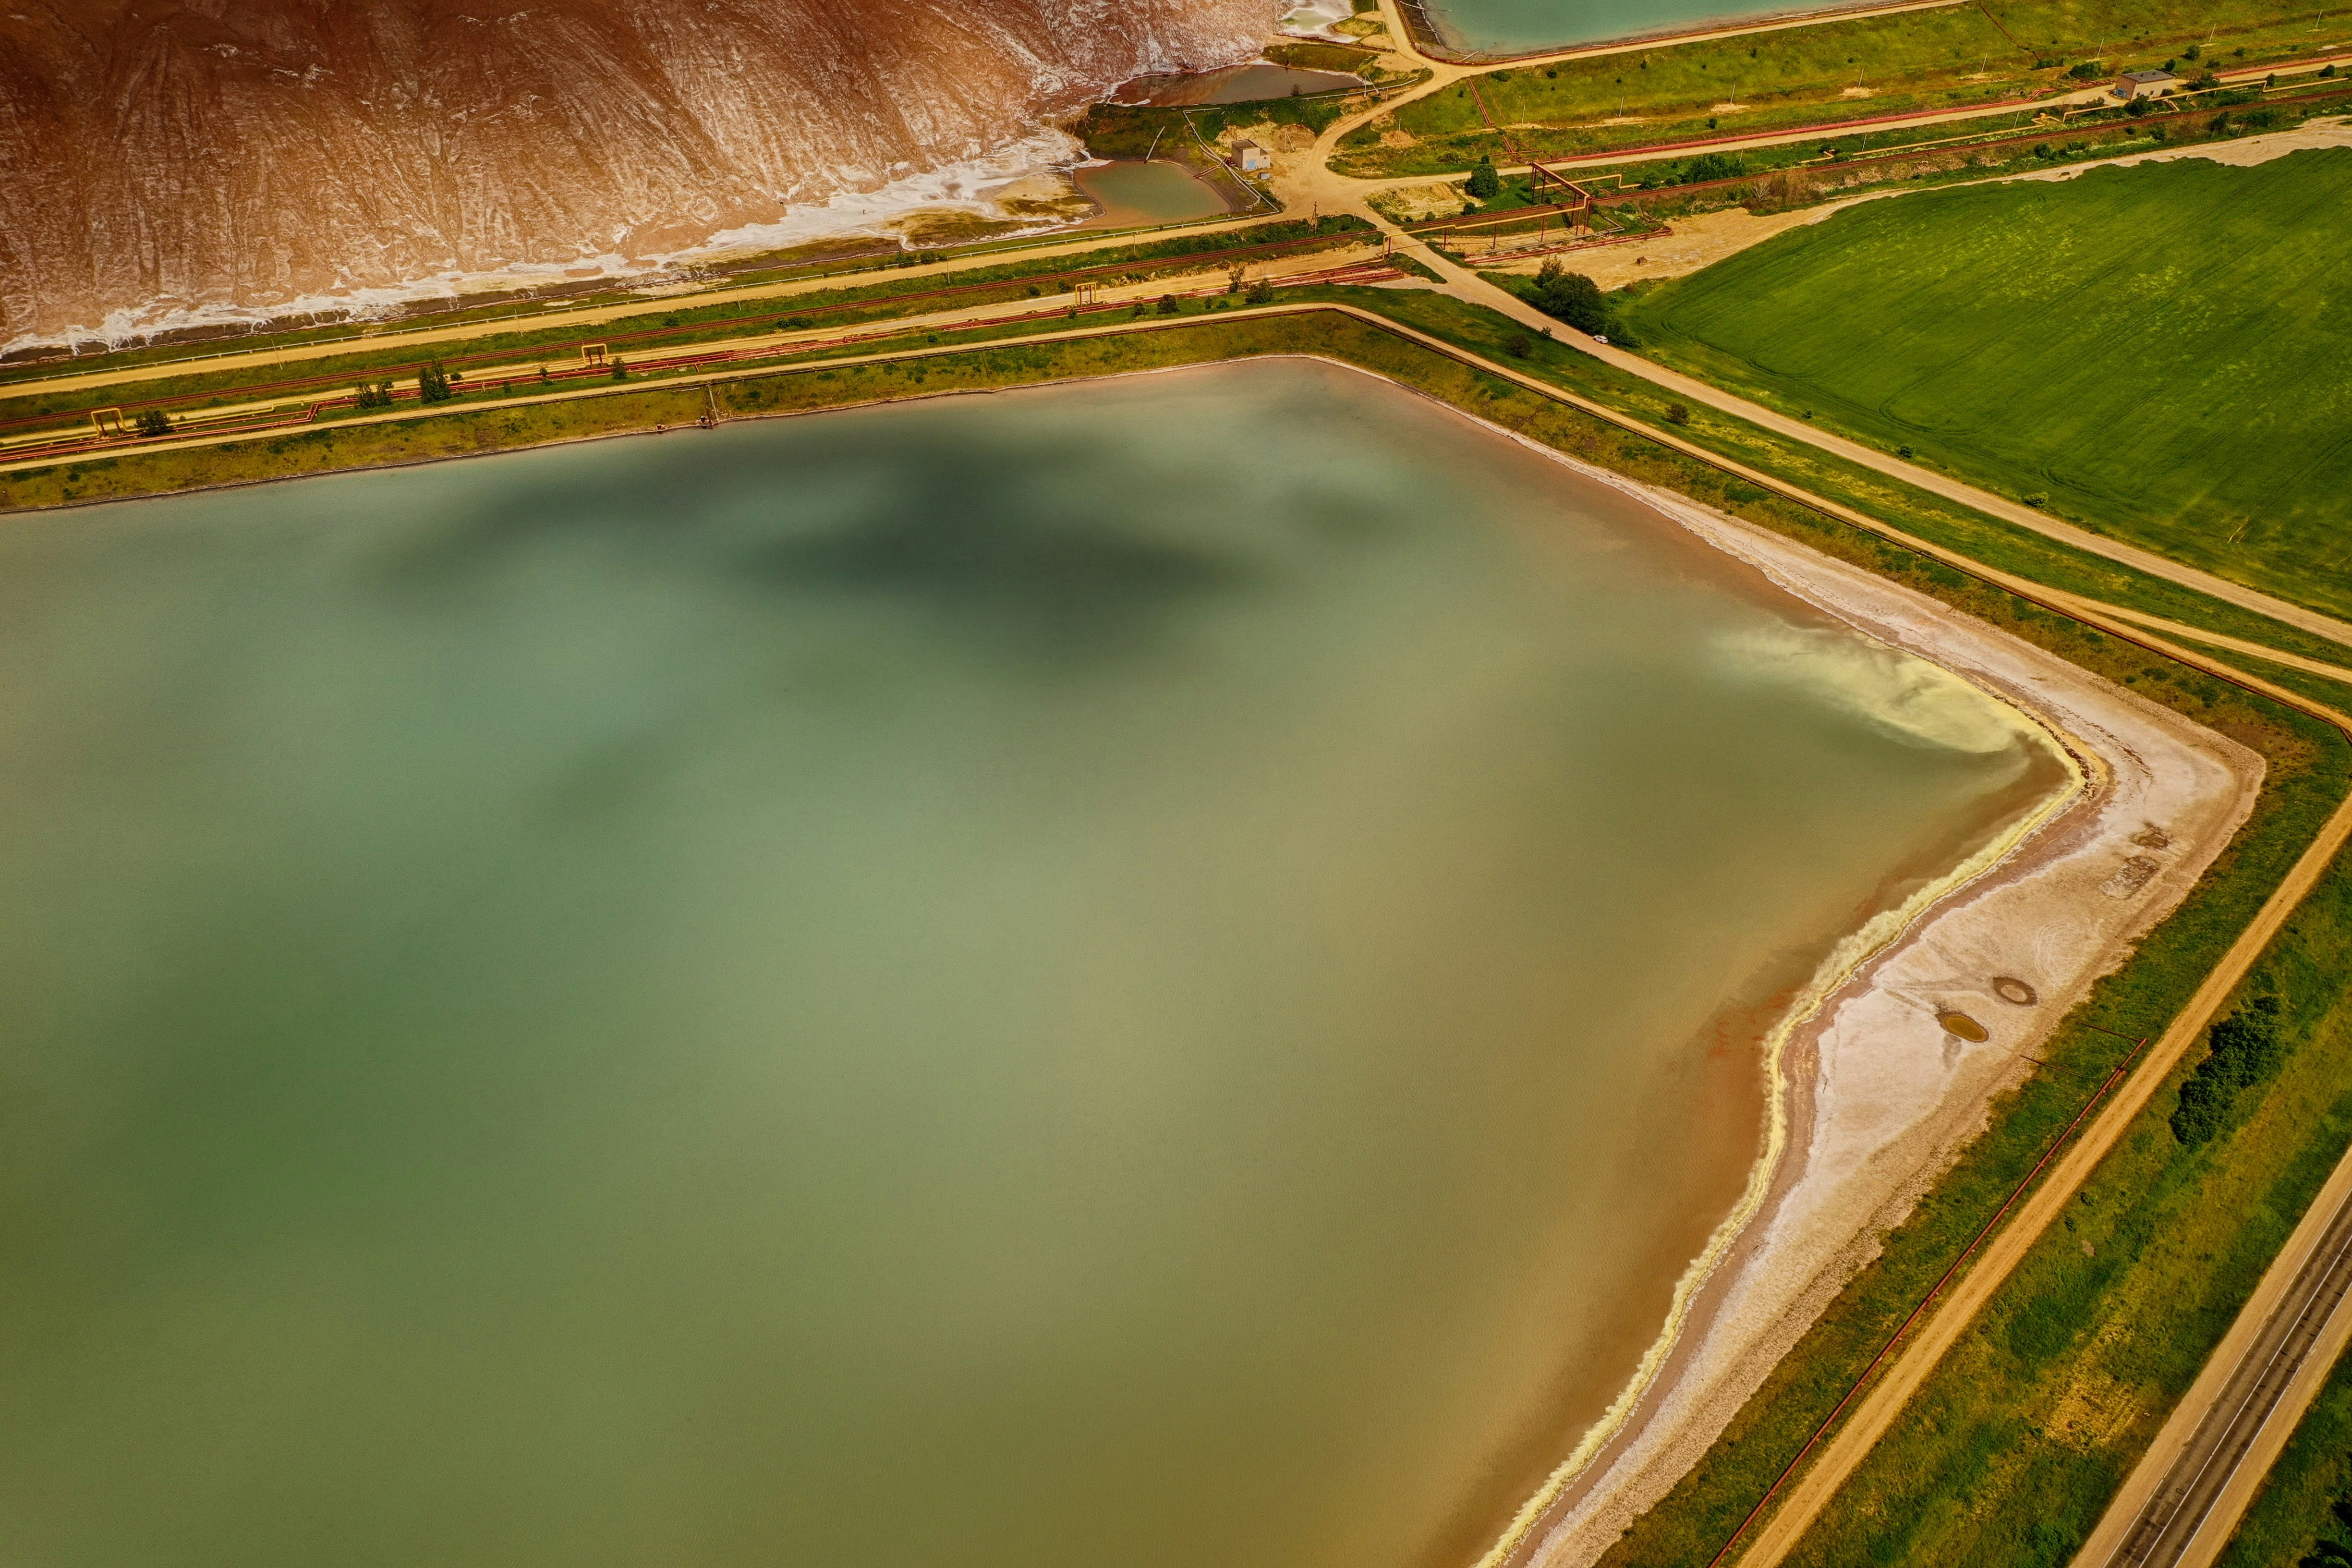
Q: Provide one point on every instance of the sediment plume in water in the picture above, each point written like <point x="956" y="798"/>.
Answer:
<point x="180" y="160"/>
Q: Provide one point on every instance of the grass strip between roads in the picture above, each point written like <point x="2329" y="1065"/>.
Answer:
<point x="2026" y="1430"/>
<point x="657" y="324"/>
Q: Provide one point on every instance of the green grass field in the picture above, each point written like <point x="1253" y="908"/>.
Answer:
<point x="1951" y="58"/>
<point x="2158" y="351"/>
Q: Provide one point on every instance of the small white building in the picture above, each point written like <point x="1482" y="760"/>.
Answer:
<point x="2146" y="84"/>
<point x="1252" y="157"/>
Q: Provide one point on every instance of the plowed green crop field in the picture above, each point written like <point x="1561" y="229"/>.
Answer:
<point x="2163" y="351"/>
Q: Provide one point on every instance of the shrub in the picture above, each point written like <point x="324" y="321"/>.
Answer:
<point x="154" y="422"/>
<point x="2241" y="1050"/>
<point x="1261" y="292"/>
<point x="433" y="383"/>
<point x="1521" y="346"/>
<point x="1168" y="305"/>
<point x="620" y="370"/>
<point x="1712" y="166"/>
<point x="1574" y="299"/>
<point x="1677" y="413"/>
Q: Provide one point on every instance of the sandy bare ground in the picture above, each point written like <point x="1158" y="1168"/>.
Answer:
<point x="1878" y="1097"/>
<point x="1696" y="242"/>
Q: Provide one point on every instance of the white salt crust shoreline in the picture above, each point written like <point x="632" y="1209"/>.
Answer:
<point x="1877" y="1100"/>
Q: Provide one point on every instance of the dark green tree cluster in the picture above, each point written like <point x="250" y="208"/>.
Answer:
<point x="2326" y="1553"/>
<point x="372" y="394"/>
<point x="2088" y="70"/>
<point x="154" y="422"/>
<point x="1711" y="166"/>
<point x="1484" y="183"/>
<point x="2242" y="1050"/>
<point x="1574" y="299"/>
<point x="433" y="383"/>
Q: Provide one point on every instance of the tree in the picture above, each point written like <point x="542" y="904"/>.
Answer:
<point x="2242" y="1050"/>
<point x="2087" y="71"/>
<point x="1261" y="292"/>
<point x="1708" y="167"/>
<point x="1484" y="183"/>
<point x="1168" y="305"/>
<point x="1570" y="296"/>
<point x="620" y="370"/>
<point x="1677" y="413"/>
<point x="433" y="383"/>
<point x="154" y="422"/>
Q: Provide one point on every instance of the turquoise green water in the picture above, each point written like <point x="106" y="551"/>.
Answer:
<point x="1523" y="27"/>
<point x="1157" y="971"/>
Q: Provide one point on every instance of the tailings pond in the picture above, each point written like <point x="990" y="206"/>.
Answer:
<point x="1526" y="27"/>
<point x="1160" y="972"/>
<point x="1132" y="193"/>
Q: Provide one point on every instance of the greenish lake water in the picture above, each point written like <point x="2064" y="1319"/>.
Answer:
<point x="1131" y="192"/>
<point x="1160" y="971"/>
<point x="1525" y="26"/>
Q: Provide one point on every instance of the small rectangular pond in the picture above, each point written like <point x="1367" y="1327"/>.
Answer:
<point x="1133" y="194"/>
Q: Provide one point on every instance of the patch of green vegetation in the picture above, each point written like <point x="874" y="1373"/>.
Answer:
<point x="2303" y="1514"/>
<point x="1956" y="56"/>
<point x="2082" y="340"/>
<point x="682" y="324"/>
<point x="2242" y="1051"/>
<point x="333" y="448"/>
<point x="1316" y="57"/>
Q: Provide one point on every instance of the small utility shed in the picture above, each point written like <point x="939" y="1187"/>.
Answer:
<point x="1252" y="157"/>
<point x="2146" y="84"/>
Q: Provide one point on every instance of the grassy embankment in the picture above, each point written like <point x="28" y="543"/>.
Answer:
<point x="668" y="325"/>
<point x="2154" y="351"/>
<point x="2297" y="1505"/>
<point x="1956" y="58"/>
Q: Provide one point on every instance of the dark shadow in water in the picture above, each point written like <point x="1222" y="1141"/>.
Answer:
<point x="1010" y="545"/>
<point x="1046" y="586"/>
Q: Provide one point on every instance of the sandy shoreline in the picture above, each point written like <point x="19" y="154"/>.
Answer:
<point x="1873" y="1098"/>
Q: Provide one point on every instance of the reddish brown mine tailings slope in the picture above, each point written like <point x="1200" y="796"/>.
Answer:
<point x="248" y="152"/>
